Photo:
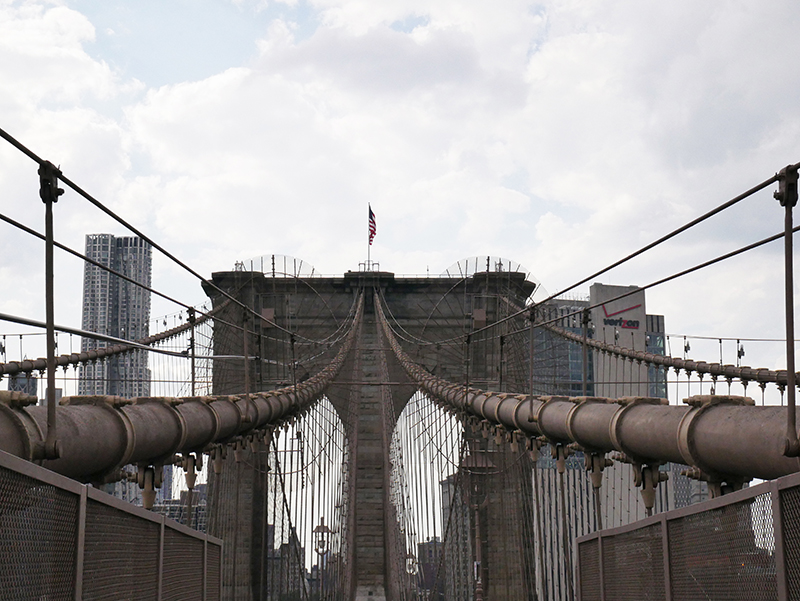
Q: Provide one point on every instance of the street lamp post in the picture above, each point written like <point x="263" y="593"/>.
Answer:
<point x="477" y="466"/>
<point x="321" y="541"/>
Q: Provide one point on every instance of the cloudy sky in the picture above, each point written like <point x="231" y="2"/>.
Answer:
<point x="562" y="134"/>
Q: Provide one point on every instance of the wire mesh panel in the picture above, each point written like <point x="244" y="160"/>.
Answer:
<point x="589" y="569"/>
<point x="633" y="565"/>
<point x="213" y="572"/>
<point x="724" y="553"/>
<point x="182" y="578"/>
<point x="121" y="555"/>
<point x="790" y="515"/>
<point x="38" y="535"/>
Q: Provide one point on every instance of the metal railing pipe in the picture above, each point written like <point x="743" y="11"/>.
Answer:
<point x="103" y="434"/>
<point x="722" y="436"/>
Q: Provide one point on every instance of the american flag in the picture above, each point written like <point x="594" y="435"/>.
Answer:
<point x="372" y="227"/>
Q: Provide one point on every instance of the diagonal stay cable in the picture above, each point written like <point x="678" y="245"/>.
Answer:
<point x="205" y="314"/>
<point x="121" y="345"/>
<point x="75" y="253"/>
<point x="742" y="372"/>
<point x="19" y="146"/>
<point x="674" y="276"/>
<point x="633" y="255"/>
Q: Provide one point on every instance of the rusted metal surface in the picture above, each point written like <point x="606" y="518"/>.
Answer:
<point x="100" y="435"/>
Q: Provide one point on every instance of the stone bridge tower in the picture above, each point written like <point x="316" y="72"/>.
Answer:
<point x="431" y="309"/>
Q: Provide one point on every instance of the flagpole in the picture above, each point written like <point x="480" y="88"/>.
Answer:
<point x="370" y="235"/>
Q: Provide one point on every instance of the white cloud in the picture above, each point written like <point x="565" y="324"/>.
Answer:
<point x="44" y="60"/>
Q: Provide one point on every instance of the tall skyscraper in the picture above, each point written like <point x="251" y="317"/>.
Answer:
<point x="116" y="307"/>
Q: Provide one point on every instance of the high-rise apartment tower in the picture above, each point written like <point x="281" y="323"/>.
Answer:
<point x="116" y="307"/>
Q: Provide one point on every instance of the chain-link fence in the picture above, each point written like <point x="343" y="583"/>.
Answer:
<point x="744" y="545"/>
<point x="61" y="540"/>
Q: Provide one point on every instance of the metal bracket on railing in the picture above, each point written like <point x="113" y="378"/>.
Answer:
<point x="189" y="464"/>
<point x="149" y="478"/>
<point x="648" y="476"/>
<point x="218" y="453"/>
<point x="717" y="486"/>
<point x="533" y="446"/>
<point x="596" y="463"/>
<point x="560" y="452"/>
<point x="238" y="451"/>
<point x="499" y="435"/>
<point x="645" y="475"/>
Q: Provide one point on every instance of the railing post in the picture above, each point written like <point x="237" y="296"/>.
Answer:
<point x="49" y="193"/>
<point x="665" y="553"/>
<point x="159" y="587"/>
<point x="782" y="584"/>
<point x="205" y="567"/>
<point x="787" y="195"/>
<point x="80" y="546"/>
<point x="602" y="571"/>
<point x="219" y="584"/>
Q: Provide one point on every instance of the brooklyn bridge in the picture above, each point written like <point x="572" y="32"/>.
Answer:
<point x="369" y="435"/>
